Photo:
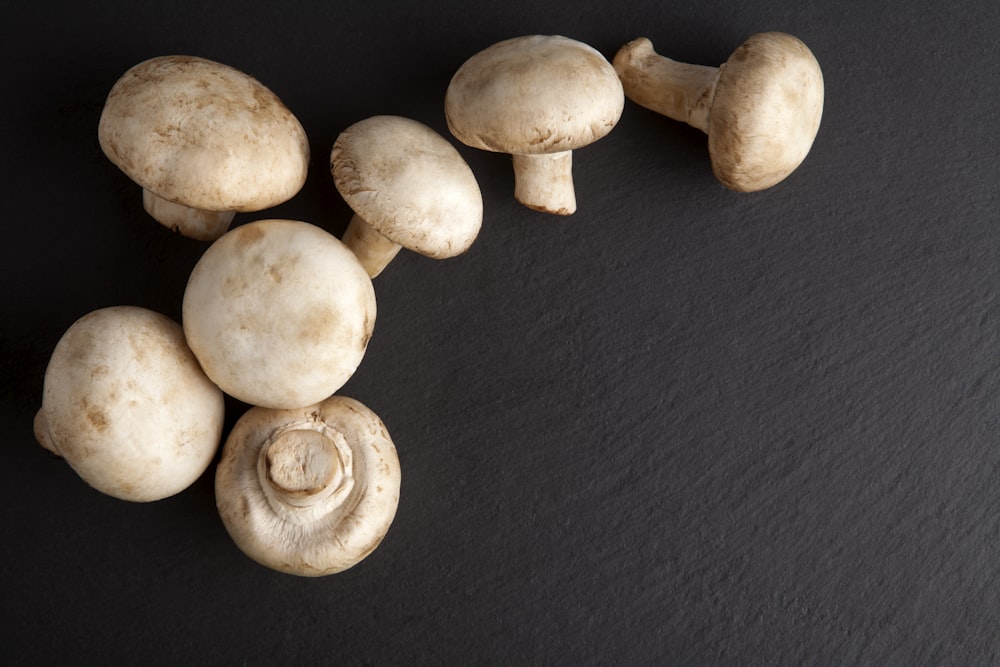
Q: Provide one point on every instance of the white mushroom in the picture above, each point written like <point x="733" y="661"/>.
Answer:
<point x="761" y="109"/>
<point x="204" y="141"/>
<point x="408" y="188"/>
<point x="537" y="97"/>
<point x="309" y="491"/>
<point x="279" y="313"/>
<point x="126" y="404"/>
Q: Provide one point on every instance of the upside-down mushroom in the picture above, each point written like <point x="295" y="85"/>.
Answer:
<point x="310" y="491"/>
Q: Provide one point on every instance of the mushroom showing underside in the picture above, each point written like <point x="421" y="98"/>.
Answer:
<point x="204" y="140"/>
<point x="761" y="109"/>
<point x="310" y="491"/>
<point x="408" y="188"/>
<point x="127" y="406"/>
<point x="279" y="313"/>
<point x="538" y="98"/>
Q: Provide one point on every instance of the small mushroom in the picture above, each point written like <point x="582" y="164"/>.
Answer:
<point x="126" y="404"/>
<point x="310" y="491"/>
<point x="279" y="313"/>
<point x="204" y="141"/>
<point x="761" y="109"/>
<point x="408" y="188"/>
<point x="537" y="97"/>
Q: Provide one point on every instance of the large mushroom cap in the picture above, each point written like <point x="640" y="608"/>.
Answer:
<point x="126" y="404"/>
<point x="534" y="94"/>
<point x="204" y="135"/>
<point x="766" y="112"/>
<point x="409" y="183"/>
<point x="309" y="491"/>
<point x="279" y="313"/>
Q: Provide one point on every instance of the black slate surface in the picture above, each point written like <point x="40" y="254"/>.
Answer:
<point x="684" y="426"/>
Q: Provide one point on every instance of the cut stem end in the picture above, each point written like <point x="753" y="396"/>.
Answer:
<point x="545" y="182"/>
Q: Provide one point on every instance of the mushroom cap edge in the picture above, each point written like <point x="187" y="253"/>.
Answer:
<point x="534" y="94"/>
<point x="766" y="111"/>
<point x="204" y="135"/>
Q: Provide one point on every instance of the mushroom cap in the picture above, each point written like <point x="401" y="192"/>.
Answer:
<point x="319" y="540"/>
<point x="279" y="313"/>
<point x="534" y="94"/>
<point x="766" y="111"/>
<point x="204" y="135"/>
<point x="409" y="183"/>
<point x="126" y="404"/>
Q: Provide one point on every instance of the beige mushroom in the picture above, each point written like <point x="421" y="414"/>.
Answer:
<point x="126" y="404"/>
<point x="408" y="188"/>
<point x="279" y="313"/>
<point x="761" y="109"/>
<point x="310" y="491"/>
<point x="204" y="141"/>
<point x="537" y="97"/>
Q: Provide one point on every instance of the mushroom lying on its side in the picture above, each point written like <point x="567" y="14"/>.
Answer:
<point x="204" y="141"/>
<point x="539" y="98"/>
<point x="408" y="188"/>
<point x="761" y="109"/>
<point x="279" y="313"/>
<point x="126" y="404"/>
<point x="309" y="491"/>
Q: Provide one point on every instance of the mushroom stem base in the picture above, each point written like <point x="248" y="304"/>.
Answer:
<point x="545" y="182"/>
<point x="41" y="427"/>
<point x="194" y="223"/>
<point x="674" y="89"/>
<point x="373" y="249"/>
<point x="305" y="472"/>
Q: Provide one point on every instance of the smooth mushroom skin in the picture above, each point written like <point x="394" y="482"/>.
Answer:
<point x="279" y="313"/>
<point x="536" y="97"/>
<point x="409" y="187"/>
<point x="761" y="109"/>
<point x="204" y="140"/>
<point x="126" y="404"/>
<point x="310" y="491"/>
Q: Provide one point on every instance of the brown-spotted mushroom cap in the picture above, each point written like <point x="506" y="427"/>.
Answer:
<point x="408" y="187"/>
<point x="537" y="97"/>
<point x="126" y="404"/>
<point x="761" y="109"/>
<point x="309" y="491"/>
<point x="204" y="141"/>
<point x="279" y="313"/>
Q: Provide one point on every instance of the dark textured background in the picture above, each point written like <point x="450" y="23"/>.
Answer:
<point x="683" y="426"/>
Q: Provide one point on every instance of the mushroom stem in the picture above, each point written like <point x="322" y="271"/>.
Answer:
<point x="194" y="223"/>
<point x="372" y="248"/>
<point x="42" y="435"/>
<point x="305" y="469"/>
<point x="677" y="90"/>
<point x="544" y="182"/>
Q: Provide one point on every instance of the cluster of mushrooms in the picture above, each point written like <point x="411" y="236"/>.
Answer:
<point x="278" y="313"/>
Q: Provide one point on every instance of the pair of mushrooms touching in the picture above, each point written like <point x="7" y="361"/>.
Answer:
<point x="310" y="491"/>
<point x="278" y="313"/>
<point x="205" y="140"/>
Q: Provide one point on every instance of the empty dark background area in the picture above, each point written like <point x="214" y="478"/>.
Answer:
<point x="682" y="426"/>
